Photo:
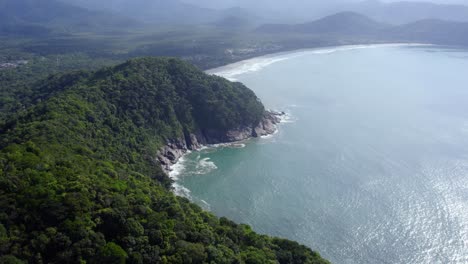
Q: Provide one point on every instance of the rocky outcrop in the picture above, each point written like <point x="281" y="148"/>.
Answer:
<point x="268" y="124"/>
<point x="175" y="149"/>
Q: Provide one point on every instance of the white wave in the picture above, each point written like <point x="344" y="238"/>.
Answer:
<point x="238" y="145"/>
<point x="287" y="118"/>
<point x="177" y="169"/>
<point x="204" y="147"/>
<point x="252" y="65"/>
<point x="205" y="166"/>
<point x="268" y="136"/>
<point x="255" y="64"/>
<point x="271" y="135"/>
<point x="181" y="191"/>
<point x="205" y="205"/>
<point x="219" y="145"/>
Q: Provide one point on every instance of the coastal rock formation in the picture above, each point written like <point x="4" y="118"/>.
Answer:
<point x="268" y="124"/>
<point x="175" y="149"/>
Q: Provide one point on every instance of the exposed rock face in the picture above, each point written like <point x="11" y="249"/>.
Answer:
<point x="175" y="149"/>
<point x="268" y="124"/>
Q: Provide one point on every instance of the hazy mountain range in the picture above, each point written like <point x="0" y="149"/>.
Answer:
<point x="204" y="11"/>
<point x="397" y="12"/>
<point x="164" y="12"/>
<point x="85" y="14"/>
<point x="347" y="25"/>
<point x="407" y="12"/>
<point x="32" y="17"/>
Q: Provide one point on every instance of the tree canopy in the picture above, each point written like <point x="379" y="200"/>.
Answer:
<point x="79" y="182"/>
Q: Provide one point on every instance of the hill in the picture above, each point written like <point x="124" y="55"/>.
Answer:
<point x="357" y="28"/>
<point x="432" y="31"/>
<point x="346" y="23"/>
<point x="391" y="12"/>
<point x="80" y="182"/>
<point x="407" y="12"/>
<point x="166" y="12"/>
<point x="31" y="17"/>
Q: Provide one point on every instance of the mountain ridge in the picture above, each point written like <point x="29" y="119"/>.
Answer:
<point x="352" y="25"/>
<point x="54" y="15"/>
<point x="343" y="22"/>
<point x="404" y="12"/>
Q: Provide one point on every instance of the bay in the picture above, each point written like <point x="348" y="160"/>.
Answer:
<point x="371" y="165"/>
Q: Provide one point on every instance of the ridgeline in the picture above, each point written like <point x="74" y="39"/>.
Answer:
<point x="80" y="181"/>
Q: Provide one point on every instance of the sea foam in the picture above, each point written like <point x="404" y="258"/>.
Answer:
<point x="177" y="169"/>
<point x="204" y="166"/>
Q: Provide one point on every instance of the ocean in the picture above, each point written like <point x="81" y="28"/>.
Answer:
<point x="370" y="165"/>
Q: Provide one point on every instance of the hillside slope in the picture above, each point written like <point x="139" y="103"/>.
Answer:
<point x="165" y="12"/>
<point x="80" y="183"/>
<point x="344" y="23"/>
<point x="432" y="31"/>
<point x="37" y="18"/>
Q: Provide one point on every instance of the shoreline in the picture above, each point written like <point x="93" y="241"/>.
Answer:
<point x="174" y="170"/>
<point x="171" y="156"/>
<point x="229" y="71"/>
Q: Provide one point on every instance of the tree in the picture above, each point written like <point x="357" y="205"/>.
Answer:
<point x="113" y="253"/>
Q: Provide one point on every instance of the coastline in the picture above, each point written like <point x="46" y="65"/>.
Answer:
<point x="229" y="71"/>
<point x="171" y="155"/>
<point x="214" y="188"/>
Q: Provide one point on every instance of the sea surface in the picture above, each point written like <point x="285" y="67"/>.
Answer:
<point x="370" y="165"/>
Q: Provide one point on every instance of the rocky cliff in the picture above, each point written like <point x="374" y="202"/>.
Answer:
<point x="176" y="148"/>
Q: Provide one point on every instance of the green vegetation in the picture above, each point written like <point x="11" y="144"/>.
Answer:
<point x="79" y="182"/>
<point x="19" y="86"/>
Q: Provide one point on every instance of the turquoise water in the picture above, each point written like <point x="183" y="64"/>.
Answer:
<point x="372" y="165"/>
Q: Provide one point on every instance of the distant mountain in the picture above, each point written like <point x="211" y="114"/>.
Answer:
<point x="407" y="12"/>
<point x="236" y="18"/>
<point x="167" y="12"/>
<point x="352" y="26"/>
<point x="38" y="17"/>
<point x="345" y="23"/>
<point x="291" y="11"/>
<point x="432" y="31"/>
<point x="232" y="22"/>
<point x="299" y="11"/>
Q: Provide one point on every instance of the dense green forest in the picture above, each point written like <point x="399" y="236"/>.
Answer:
<point x="81" y="122"/>
<point x="79" y="182"/>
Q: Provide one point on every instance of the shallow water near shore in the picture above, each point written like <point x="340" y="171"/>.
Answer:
<point x="371" y="167"/>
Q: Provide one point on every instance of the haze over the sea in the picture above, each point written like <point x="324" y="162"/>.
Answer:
<point x="371" y="167"/>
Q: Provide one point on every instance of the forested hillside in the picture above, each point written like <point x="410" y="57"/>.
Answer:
<point x="33" y="18"/>
<point x="79" y="181"/>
